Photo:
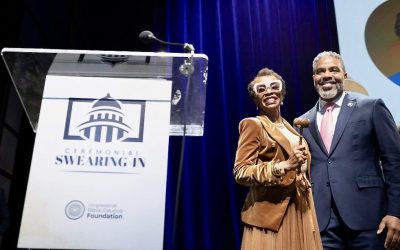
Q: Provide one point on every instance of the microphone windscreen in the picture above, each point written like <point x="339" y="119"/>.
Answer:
<point x="146" y="36"/>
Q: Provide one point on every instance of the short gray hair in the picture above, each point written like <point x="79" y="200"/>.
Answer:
<point x="327" y="53"/>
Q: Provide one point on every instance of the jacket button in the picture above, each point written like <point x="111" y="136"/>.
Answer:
<point x="328" y="184"/>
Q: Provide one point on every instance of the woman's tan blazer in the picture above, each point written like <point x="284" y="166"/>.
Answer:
<point x="260" y="146"/>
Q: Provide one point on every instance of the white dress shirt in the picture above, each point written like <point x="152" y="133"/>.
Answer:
<point x="335" y="111"/>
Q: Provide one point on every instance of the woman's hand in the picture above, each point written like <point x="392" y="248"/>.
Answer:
<point x="296" y="159"/>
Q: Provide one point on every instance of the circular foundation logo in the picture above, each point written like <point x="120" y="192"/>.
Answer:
<point x="74" y="210"/>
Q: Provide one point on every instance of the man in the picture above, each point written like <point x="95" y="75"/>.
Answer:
<point x="355" y="166"/>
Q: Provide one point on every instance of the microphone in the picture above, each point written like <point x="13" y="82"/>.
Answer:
<point x="147" y="37"/>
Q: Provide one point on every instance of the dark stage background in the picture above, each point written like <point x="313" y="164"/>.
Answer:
<point x="239" y="37"/>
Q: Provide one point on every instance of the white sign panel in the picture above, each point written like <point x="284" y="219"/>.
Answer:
<point x="99" y="166"/>
<point x="369" y="40"/>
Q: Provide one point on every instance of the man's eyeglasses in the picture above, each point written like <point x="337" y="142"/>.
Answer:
<point x="274" y="86"/>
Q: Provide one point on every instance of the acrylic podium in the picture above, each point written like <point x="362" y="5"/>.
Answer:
<point x="102" y="121"/>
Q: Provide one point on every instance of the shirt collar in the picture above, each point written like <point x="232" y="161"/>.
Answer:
<point x="338" y="102"/>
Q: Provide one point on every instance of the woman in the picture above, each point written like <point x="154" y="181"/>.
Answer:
<point x="279" y="210"/>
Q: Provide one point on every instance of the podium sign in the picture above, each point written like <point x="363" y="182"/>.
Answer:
<point x="99" y="164"/>
<point x="98" y="172"/>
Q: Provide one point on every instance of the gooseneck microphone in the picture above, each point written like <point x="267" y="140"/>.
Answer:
<point x="147" y="37"/>
<point x="187" y="69"/>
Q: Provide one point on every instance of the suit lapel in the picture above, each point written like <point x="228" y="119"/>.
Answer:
<point x="347" y="108"/>
<point x="274" y="132"/>
<point x="314" y="128"/>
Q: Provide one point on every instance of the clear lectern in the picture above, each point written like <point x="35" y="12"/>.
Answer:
<point x="102" y="121"/>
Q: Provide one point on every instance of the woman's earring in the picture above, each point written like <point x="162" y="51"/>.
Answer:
<point x="281" y="103"/>
<point x="256" y="107"/>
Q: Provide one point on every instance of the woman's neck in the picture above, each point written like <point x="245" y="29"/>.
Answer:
<point x="273" y="116"/>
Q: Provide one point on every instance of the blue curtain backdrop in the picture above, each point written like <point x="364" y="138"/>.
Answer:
<point x="240" y="37"/>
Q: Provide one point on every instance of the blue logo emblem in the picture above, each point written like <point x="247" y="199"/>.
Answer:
<point x="104" y="120"/>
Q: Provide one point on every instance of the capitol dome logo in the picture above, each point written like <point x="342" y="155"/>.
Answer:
<point x="105" y="120"/>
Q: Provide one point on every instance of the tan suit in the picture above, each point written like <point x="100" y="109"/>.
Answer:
<point x="260" y="146"/>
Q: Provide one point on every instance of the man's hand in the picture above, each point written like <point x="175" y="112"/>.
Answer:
<point x="392" y="223"/>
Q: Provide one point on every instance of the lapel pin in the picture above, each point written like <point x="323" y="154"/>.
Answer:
<point x="350" y="104"/>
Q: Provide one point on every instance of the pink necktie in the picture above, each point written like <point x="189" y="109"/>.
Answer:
<point x="327" y="125"/>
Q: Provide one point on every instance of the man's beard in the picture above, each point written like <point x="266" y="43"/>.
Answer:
<point x="330" y="94"/>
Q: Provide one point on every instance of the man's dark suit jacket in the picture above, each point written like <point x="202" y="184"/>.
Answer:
<point x="350" y="175"/>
